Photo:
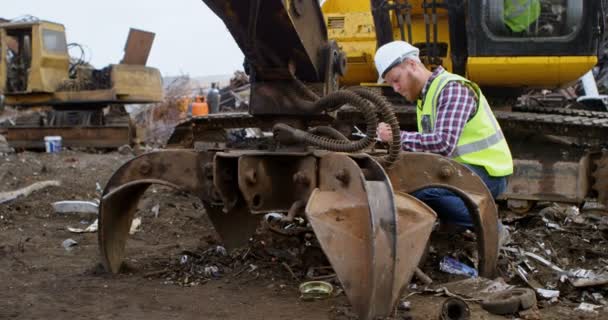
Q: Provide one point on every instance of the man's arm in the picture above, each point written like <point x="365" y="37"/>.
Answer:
<point x="456" y="104"/>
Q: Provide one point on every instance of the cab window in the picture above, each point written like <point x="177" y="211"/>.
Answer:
<point x="532" y="18"/>
<point x="54" y="41"/>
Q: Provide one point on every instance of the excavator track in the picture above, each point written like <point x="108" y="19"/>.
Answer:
<point x="583" y="124"/>
<point x="568" y="169"/>
<point x="563" y="111"/>
<point x="574" y="124"/>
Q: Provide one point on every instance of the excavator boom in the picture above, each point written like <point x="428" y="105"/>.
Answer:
<point x="356" y="202"/>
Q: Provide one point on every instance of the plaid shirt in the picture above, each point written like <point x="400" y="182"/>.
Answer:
<point x="455" y="105"/>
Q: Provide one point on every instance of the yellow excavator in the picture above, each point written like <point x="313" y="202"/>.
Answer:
<point x="508" y="47"/>
<point x="83" y="105"/>
<point x="558" y="45"/>
<point x="332" y="186"/>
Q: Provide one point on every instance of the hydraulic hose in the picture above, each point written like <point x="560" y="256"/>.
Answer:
<point x="328" y="132"/>
<point x="335" y="100"/>
<point x="367" y="101"/>
<point x="386" y="113"/>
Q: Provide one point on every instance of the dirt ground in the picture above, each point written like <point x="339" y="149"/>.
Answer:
<point x="40" y="279"/>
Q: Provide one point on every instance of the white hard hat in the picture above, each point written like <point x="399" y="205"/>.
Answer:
<point x="392" y="54"/>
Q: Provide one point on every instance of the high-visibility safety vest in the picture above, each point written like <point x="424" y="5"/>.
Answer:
<point x="519" y="14"/>
<point x="481" y="142"/>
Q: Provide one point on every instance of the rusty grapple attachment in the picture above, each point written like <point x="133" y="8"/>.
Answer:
<point x="371" y="230"/>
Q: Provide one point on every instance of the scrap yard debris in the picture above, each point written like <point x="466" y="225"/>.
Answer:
<point x="560" y="249"/>
<point x="26" y="191"/>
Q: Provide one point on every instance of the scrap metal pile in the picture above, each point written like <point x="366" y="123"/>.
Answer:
<point x="562" y="253"/>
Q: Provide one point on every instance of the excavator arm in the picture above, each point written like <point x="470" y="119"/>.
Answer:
<point x="356" y="202"/>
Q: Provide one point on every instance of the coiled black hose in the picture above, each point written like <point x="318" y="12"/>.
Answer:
<point x="388" y="115"/>
<point x="328" y="132"/>
<point x="368" y="102"/>
<point x="335" y="100"/>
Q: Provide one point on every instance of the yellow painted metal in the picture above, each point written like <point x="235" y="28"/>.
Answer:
<point x="130" y="84"/>
<point x="356" y="35"/>
<point x="48" y="69"/>
<point x="136" y="83"/>
<point x="351" y="24"/>
<point x="3" y="51"/>
<point x="528" y="71"/>
<point x="341" y="6"/>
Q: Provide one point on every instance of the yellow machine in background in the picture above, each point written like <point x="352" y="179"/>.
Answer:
<point x="504" y="46"/>
<point x="36" y="71"/>
<point x="470" y="38"/>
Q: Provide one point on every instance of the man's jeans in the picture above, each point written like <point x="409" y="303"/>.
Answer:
<point x="449" y="207"/>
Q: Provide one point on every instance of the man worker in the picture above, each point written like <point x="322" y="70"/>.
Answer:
<point x="454" y="120"/>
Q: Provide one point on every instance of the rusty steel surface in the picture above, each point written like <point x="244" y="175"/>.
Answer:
<point x="138" y="46"/>
<point x="279" y="97"/>
<point x="273" y="183"/>
<point x="372" y="239"/>
<point x="276" y="36"/>
<point x="544" y="171"/>
<point x="543" y="180"/>
<point x="414" y="171"/>
<point x="32" y="137"/>
<point x="183" y="170"/>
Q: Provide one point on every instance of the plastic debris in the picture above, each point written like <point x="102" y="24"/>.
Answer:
<point x="538" y="258"/>
<point x="135" y="225"/>
<point x="476" y="288"/>
<point x="547" y="294"/>
<point x="155" y="210"/>
<point x="69" y="244"/>
<point x="587" y="307"/>
<point x="587" y="278"/>
<point x="184" y="259"/>
<point x="74" y="206"/>
<point x="211" y="271"/>
<point x="24" y="192"/>
<point x="94" y="226"/>
<point x="90" y="228"/>
<point x="453" y="266"/>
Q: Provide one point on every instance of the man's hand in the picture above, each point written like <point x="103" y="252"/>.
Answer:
<point x="384" y="132"/>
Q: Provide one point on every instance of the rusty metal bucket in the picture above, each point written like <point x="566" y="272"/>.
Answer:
<point x="371" y="230"/>
<point x="373" y="238"/>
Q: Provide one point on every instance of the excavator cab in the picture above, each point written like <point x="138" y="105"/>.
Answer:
<point x="508" y="47"/>
<point x="495" y="43"/>
<point x="34" y="57"/>
<point x="532" y="43"/>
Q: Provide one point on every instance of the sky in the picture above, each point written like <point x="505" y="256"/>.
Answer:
<point x="190" y="39"/>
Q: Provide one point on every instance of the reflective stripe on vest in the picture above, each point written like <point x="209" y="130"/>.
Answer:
<point x="484" y="143"/>
<point x="481" y="141"/>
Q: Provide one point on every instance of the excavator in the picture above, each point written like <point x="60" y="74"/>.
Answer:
<point x="313" y="88"/>
<point x="83" y="105"/>
<point x="557" y="143"/>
